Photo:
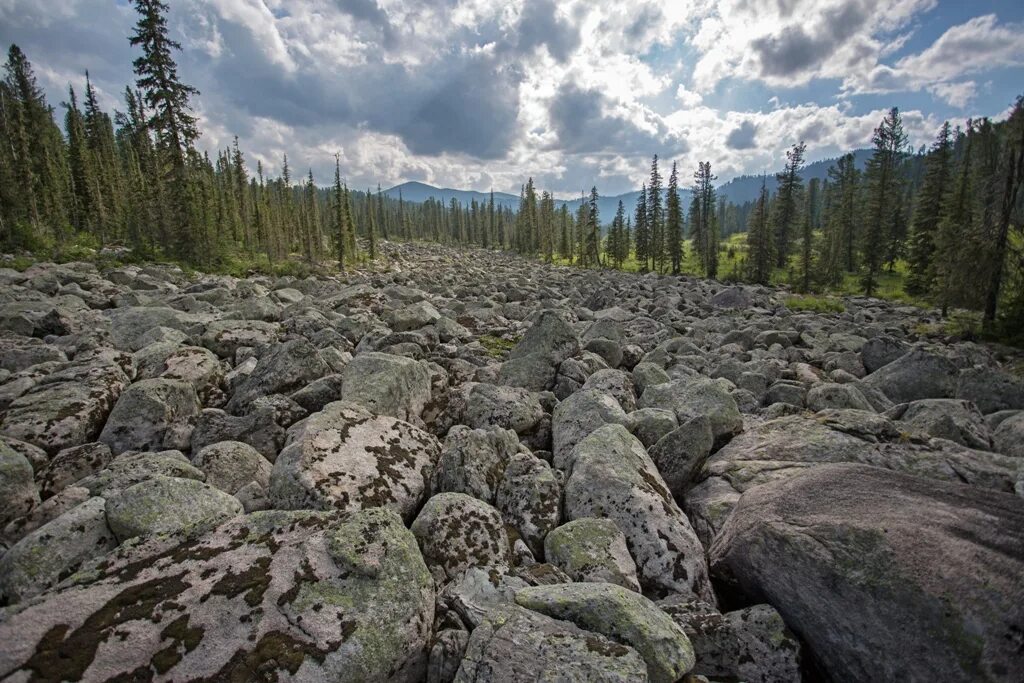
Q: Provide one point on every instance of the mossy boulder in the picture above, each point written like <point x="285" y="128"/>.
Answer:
<point x="18" y="492"/>
<point x="884" y="575"/>
<point x="530" y="499"/>
<point x="473" y="461"/>
<point x="614" y="478"/>
<point x="302" y="596"/>
<point x="693" y="397"/>
<point x="624" y="616"/>
<point x="456" y="532"/>
<point x="517" y="645"/>
<point x="55" y="550"/>
<point x="345" y="458"/>
<point x="230" y="465"/>
<point x="386" y="384"/>
<point x="152" y="414"/>
<point x="578" y="416"/>
<point x="129" y="469"/>
<point x="163" y="505"/>
<point x="591" y="549"/>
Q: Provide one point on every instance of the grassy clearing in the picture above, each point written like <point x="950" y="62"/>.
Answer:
<point x="497" y="347"/>
<point x="818" y="304"/>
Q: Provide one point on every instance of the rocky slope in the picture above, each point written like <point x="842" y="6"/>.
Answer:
<point x="474" y="467"/>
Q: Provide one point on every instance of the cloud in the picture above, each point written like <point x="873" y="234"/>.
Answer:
<point x="687" y="98"/>
<point x="958" y="95"/>
<point x="742" y="137"/>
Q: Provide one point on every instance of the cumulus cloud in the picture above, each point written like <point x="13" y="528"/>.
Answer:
<point x="483" y="93"/>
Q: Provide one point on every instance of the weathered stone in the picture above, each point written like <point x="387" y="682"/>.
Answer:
<point x="290" y="595"/>
<point x="946" y="418"/>
<point x="590" y="549"/>
<point x="73" y="464"/>
<point x="55" y="550"/>
<point x="577" y="417"/>
<point x="622" y="615"/>
<point x="413" y="317"/>
<point x="473" y="461"/>
<point x="613" y="477"/>
<point x="284" y="369"/>
<point x="651" y="424"/>
<point x="827" y="396"/>
<point x="886" y="576"/>
<point x="690" y="398"/>
<point x="225" y="337"/>
<point x="916" y="375"/>
<point x="990" y="390"/>
<point x="386" y="384"/>
<point x="1009" y="436"/>
<point x="456" y="532"/>
<point x="153" y="414"/>
<point x="129" y="469"/>
<point x="680" y="454"/>
<point x="529" y="499"/>
<point x="231" y="465"/>
<point x="517" y="645"/>
<point x="481" y="405"/>
<point x="345" y="458"/>
<point x="162" y="505"/>
<point x="18" y="492"/>
<point x="259" y="429"/>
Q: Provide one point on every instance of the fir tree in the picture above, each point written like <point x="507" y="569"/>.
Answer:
<point x="641" y="230"/>
<point x="882" y="190"/>
<point x="760" y="240"/>
<point x="787" y="203"/>
<point x="674" y="223"/>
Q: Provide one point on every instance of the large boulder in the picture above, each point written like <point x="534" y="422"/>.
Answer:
<point x="577" y="417"/>
<point x="55" y="550"/>
<point x="886" y="576"/>
<point x="283" y="369"/>
<point x="456" y="532"/>
<point x="592" y="550"/>
<point x="162" y="505"/>
<point x="129" y="469"/>
<point x="916" y="375"/>
<point x="529" y="499"/>
<point x="386" y="384"/>
<point x="750" y="644"/>
<point x="613" y="477"/>
<point x="484" y="405"/>
<point x="624" y="616"/>
<point x="345" y="458"/>
<point x="153" y="414"/>
<point x="413" y="317"/>
<point x="18" y="492"/>
<point x="1009" y="436"/>
<point x="67" y="408"/>
<point x="473" y="461"/>
<point x="271" y="595"/>
<point x="696" y="396"/>
<point x="781" y="448"/>
<point x="946" y="418"/>
<point x="533" y="362"/>
<point x="259" y="428"/>
<point x="990" y="389"/>
<point x="225" y="337"/>
<point x="230" y="465"/>
<point x="517" y="645"/>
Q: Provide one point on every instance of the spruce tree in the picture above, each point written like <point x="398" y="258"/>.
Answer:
<point x="787" y="204"/>
<point x="171" y="120"/>
<point x="674" y="222"/>
<point x="340" y="226"/>
<point x="641" y="231"/>
<point x="655" y="218"/>
<point x="882" y="187"/>
<point x="760" y="240"/>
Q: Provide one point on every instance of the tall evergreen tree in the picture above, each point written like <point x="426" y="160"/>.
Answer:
<point x="655" y="218"/>
<point x="883" y="188"/>
<point x="642" y="231"/>
<point x="788" y="199"/>
<point x="760" y="240"/>
<point x="674" y="222"/>
<point x="340" y="225"/>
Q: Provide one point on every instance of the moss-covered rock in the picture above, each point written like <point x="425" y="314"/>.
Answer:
<point x="152" y="414"/>
<point x="345" y="458"/>
<point x="269" y="596"/>
<point x="18" y="492"/>
<point x="163" y="505"/>
<point x="456" y="532"/>
<point x="622" y="615"/>
<point x="591" y="549"/>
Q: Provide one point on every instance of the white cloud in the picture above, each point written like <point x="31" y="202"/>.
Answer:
<point x="687" y="98"/>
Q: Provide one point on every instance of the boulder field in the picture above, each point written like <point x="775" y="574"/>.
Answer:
<point x="462" y="465"/>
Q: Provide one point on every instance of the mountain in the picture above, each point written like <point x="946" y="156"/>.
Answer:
<point x="420" y="192"/>
<point x="741" y="189"/>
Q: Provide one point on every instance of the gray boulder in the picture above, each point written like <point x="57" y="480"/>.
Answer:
<point x="413" y="317"/>
<point x="945" y="418"/>
<point x="386" y="384"/>
<point x="828" y="396"/>
<point x="473" y="461"/>
<point x="129" y="469"/>
<point x="878" y="352"/>
<point x="885" y="576"/>
<point x="285" y="368"/>
<point x="73" y="464"/>
<point x="616" y="383"/>
<point x="613" y="477"/>
<point x="479" y="405"/>
<point x="577" y="417"/>
<point x="231" y="465"/>
<point x="18" y="492"/>
<point x="693" y="397"/>
<point x="290" y="595"/>
<point x="680" y="454"/>
<point x="345" y="458"/>
<point x="516" y="645"/>
<point x="259" y="428"/>
<point x="589" y="549"/>
<point x="916" y="375"/>
<point x="55" y="550"/>
<point x="163" y="505"/>
<point x="456" y="532"/>
<point x="990" y="389"/>
<point x="1009" y="436"/>
<point x="225" y="337"/>
<point x="624" y="616"/>
<point x="751" y="644"/>
<point x="153" y="414"/>
<point x="529" y="499"/>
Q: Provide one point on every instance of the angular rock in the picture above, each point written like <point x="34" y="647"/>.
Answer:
<point x="517" y="645"/>
<point x="456" y="532"/>
<point x="473" y="461"/>
<point x="259" y="428"/>
<point x="153" y="414"/>
<point x="129" y="469"/>
<point x="55" y="550"/>
<point x="828" y="396"/>
<point x="73" y="464"/>
<point x="690" y="398"/>
<point x="613" y="477"/>
<point x="916" y="375"/>
<point x="345" y="458"/>
<point x="622" y="615"/>
<point x="680" y="454"/>
<point x="285" y="368"/>
<point x="386" y="384"/>
<point x="946" y="418"/>
<point x="577" y="417"/>
<point x="225" y="337"/>
<point x="1009" y="436"/>
<point x="990" y="390"/>
<point x="413" y="317"/>
<point x="303" y="596"/>
<point x="529" y="499"/>
<point x="885" y="576"/>
<point x="18" y="492"/>
<point x="479" y="405"/>
<point x="589" y="549"/>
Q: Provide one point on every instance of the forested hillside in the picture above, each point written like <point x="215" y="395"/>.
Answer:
<point x="950" y="217"/>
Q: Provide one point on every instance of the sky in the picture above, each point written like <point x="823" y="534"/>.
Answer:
<point x="481" y="94"/>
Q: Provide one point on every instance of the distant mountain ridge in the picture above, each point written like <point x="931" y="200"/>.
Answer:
<point x="741" y="189"/>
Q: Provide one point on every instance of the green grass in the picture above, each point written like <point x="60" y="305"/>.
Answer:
<point x="497" y="347"/>
<point x="818" y="304"/>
